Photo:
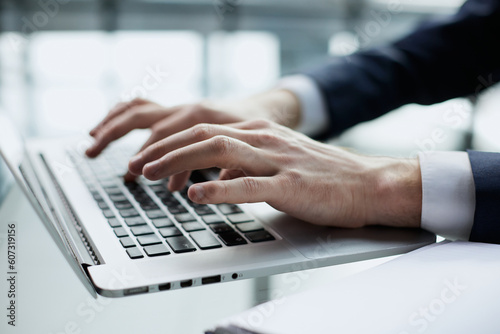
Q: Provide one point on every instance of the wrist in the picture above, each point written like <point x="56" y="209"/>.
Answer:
<point x="279" y="105"/>
<point x="396" y="193"/>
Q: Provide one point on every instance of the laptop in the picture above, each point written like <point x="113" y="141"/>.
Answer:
<point x="124" y="239"/>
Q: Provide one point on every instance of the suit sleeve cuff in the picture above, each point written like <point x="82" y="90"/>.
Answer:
<point x="314" y="115"/>
<point x="448" y="194"/>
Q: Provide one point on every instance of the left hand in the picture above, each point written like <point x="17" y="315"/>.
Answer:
<point x="262" y="161"/>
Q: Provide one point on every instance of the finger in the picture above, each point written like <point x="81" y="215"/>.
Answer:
<point x="178" y="181"/>
<point x="184" y="138"/>
<point x="115" y="111"/>
<point x="218" y="151"/>
<point x="252" y="124"/>
<point x="241" y="190"/>
<point x="229" y="174"/>
<point x="121" y="125"/>
<point x="129" y="176"/>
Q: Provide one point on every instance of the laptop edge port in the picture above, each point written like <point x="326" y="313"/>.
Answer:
<point x="163" y="287"/>
<point x="186" y="283"/>
<point x="211" y="279"/>
<point x="135" y="291"/>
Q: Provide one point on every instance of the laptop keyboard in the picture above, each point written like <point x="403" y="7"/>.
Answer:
<point x="149" y="220"/>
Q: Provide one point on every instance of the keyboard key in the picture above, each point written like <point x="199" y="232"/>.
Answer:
<point x="96" y="196"/>
<point x="192" y="226"/>
<point x="150" y="239"/>
<point x="162" y="222"/>
<point x="156" y="214"/>
<point x="134" y="253"/>
<point x="166" y="197"/>
<point x="103" y="205"/>
<point x="169" y="232"/>
<point x="108" y="214"/>
<point x="113" y="222"/>
<point x="108" y="183"/>
<point x="141" y="230"/>
<point x="180" y="244"/>
<point x="205" y="240"/>
<point x="158" y="188"/>
<point x="239" y="218"/>
<point x="117" y="198"/>
<point x="232" y="239"/>
<point x="228" y="209"/>
<point x="212" y="219"/>
<point x="259" y="236"/>
<point x="203" y="210"/>
<point x="120" y="232"/>
<point x="129" y="213"/>
<point x="249" y="227"/>
<point x="131" y="185"/>
<point x="184" y="217"/>
<point x="149" y="206"/>
<point x="177" y="209"/>
<point x="135" y="221"/>
<point x="221" y="228"/>
<point x="156" y="250"/>
<point x="123" y="205"/>
<point x="113" y="191"/>
<point x="127" y="242"/>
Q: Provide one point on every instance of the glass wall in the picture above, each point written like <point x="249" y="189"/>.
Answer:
<point x="64" y="63"/>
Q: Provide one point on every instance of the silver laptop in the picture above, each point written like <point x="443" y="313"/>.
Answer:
<point x="131" y="238"/>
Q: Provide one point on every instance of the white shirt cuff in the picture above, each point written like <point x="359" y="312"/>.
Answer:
<point x="448" y="194"/>
<point x="314" y="116"/>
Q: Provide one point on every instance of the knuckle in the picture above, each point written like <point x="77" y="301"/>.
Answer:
<point x="266" y="138"/>
<point x="137" y="100"/>
<point x="263" y="123"/>
<point x="157" y="129"/>
<point x="294" y="177"/>
<point x="135" y="115"/>
<point x="202" y="131"/>
<point x="222" y="145"/>
<point x="196" y="112"/>
<point x="251" y="186"/>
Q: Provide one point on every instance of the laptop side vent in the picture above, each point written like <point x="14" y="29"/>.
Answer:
<point x="72" y="216"/>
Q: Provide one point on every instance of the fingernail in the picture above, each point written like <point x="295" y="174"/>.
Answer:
<point x="199" y="193"/>
<point x="152" y="168"/>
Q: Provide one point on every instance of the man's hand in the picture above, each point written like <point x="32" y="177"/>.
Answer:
<point x="264" y="161"/>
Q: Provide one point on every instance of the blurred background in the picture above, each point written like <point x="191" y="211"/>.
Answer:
<point x="64" y="63"/>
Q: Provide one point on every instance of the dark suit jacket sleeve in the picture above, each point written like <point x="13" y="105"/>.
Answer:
<point x="486" y="171"/>
<point x="452" y="57"/>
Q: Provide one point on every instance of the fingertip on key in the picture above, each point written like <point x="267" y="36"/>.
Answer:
<point x="134" y="165"/>
<point x="196" y="193"/>
<point x="151" y="170"/>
